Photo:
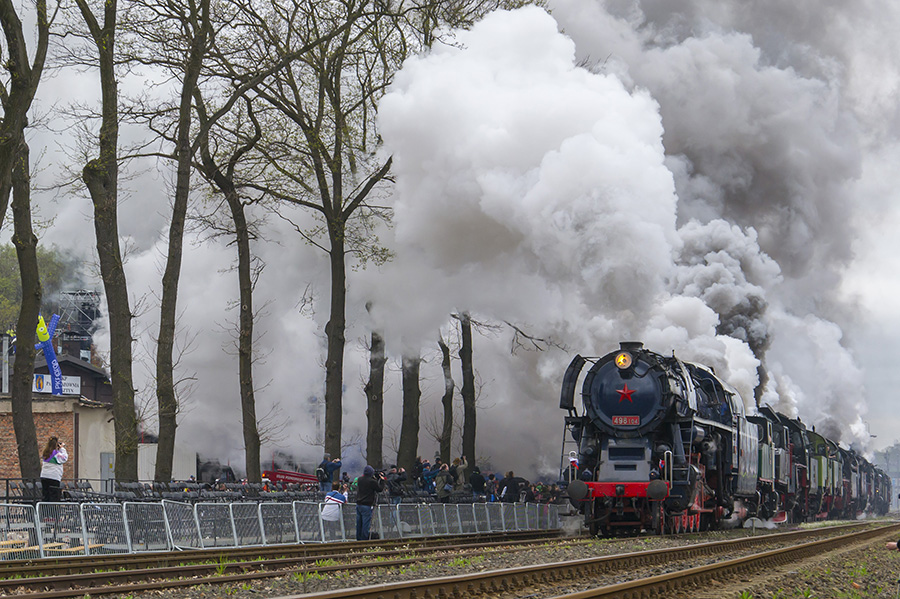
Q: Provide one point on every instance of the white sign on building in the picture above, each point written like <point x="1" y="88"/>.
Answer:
<point x="71" y="385"/>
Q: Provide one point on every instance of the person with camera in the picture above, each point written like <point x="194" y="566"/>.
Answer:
<point x="443" y="484"/>
<point x="52" y="459"/>
<point x="394" y="480"/>
<point x="325" y="472"/>
<point x="368" y="486"/>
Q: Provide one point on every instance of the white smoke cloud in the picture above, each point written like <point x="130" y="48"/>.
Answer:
<point x="762" y="133"/>
<point x="817" y="378"/>
<point x="693" y="189"/>
<point x="571" y="216"/>
<point x="545" y="185"/>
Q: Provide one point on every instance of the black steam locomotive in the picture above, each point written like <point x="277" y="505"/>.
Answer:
<point x="665" y="445"/>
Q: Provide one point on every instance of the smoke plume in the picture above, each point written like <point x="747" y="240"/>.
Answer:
<point x="684" y="173"/>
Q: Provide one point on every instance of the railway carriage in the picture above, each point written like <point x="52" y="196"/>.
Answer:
<point x="881" y="493"/>
<point x="778" y="491"/>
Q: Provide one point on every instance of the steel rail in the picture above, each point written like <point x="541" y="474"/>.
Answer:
<point x="665" y="584"/>
<point x="90" y="581"/>
<point x="501" y="582"/>
<point x="495" y="581"/>
<point x="84" y="563"/>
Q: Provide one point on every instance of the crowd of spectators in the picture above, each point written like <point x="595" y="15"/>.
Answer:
<point x="445" y="481"/>
<point x="452" y="482"/>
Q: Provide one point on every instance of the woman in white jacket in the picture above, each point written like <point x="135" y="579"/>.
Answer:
<point x="52" y="460"/>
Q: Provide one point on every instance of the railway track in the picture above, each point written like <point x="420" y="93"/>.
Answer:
<point x="534" y="581"/>
<point x="495" y="582"/>
<point x="664" y="585"/>
<point x="113" y="574"/>
<point x="84" y="564"/>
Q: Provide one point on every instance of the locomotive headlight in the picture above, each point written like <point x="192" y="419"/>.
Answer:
<point x="623" y="360"/>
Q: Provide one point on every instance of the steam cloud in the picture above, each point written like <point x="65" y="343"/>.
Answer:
<point x="691" y="186"/>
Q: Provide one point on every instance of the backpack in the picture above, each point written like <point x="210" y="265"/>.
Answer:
<point x="321" y="475"/>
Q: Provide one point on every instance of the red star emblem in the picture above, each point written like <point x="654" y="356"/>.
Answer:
<point x="625" y="393"/>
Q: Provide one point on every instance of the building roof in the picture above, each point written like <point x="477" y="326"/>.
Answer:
<point x="40" y="361"/>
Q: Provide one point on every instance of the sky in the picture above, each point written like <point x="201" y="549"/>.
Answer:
<point x="711" y="178"/>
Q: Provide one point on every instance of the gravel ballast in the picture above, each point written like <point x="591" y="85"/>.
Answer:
<point x="868" y="570"/>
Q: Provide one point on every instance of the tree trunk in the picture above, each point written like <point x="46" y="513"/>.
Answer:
<point x="23" y="370"/>
<point x="468" y="390"/>
<point x="19" y="91"/>
<point x="334" y="331"/>
<point x="167" y="401"/>
<point x="375" y="402"/>
<point x="101" y="177"/>
<point x="14" y="178"/>
<point x="224" y="182"/>
<point x="409" y="428"/>
<point x="447" y="403"/>
<point x="245" y="339"/>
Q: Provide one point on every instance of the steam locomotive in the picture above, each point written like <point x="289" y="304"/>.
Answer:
<point x="665" y="445"/>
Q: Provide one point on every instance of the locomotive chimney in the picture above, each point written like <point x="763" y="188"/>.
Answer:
<point x="632" y="346"/>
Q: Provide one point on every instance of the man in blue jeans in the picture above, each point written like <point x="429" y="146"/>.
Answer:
<point x="367" y="489"/>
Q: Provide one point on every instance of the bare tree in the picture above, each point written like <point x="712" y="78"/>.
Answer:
<point x="223" y="178"/>
<point x="177" y="38"/>
<point x="324" y="157"/>
<point x="375" y="400"/>
<point x="447" y="402"/>
<point x="197" y="25"/>
<point x="522" y="340"/>
<point x="101" y="177"/>
<point x="468" y="387"/>
<point x="201" y="48"/>
<point x="409" y="428"/>
<point x="16" y="94"/>
<point x="23" y="369"/>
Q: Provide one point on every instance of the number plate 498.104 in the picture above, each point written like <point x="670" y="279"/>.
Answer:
<point x="626" y="420"/>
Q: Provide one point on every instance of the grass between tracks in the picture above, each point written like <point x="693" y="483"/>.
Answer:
<point x="868" y="573"/>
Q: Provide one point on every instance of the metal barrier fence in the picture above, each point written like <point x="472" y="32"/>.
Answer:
<point x="59" y="529"/>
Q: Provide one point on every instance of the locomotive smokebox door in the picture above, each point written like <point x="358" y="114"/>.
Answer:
<point x="624" y="395"/>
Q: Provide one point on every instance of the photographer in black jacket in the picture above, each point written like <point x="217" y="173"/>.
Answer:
<point x="394" y="480"/>
<point x="368" y="486"/>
